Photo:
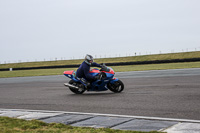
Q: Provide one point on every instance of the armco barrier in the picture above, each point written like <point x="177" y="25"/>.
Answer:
<point x="110" y="64"/>
<point x="4" y="69"/>
<point x="153" y="62"/>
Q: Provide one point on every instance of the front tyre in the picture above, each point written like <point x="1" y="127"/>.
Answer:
<point x="117" y="87"/>
<point x="81" y="89"/>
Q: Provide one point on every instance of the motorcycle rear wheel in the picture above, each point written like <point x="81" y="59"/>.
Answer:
<point x="117" y="87"/>
<point x="81" y="89"/>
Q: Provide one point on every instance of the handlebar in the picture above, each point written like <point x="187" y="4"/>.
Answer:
<point x="104" y="68"/>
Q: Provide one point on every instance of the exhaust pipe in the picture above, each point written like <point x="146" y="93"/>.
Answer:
<point x="70" y="85"/>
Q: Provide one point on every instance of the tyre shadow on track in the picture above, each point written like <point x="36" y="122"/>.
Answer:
<point x="94" y="94"/>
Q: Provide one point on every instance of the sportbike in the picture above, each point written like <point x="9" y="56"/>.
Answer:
<point x="105" y="82"/>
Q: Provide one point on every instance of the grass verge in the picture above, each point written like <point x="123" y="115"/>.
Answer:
<point x="43" y="72"/>
<point x="12" y="125"/>
<point x="184" y="55"/>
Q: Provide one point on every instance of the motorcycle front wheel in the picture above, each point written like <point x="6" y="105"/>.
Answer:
<point x="117" y="87"/>
<point x="81" y="89"/>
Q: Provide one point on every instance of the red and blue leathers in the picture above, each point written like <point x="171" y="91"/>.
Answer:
<point x="83" y="71"/>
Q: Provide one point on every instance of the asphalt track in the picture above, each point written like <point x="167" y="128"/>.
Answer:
<point x="163" y="93"/>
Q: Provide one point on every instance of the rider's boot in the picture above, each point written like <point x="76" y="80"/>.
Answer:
<point x="87" y="84"/>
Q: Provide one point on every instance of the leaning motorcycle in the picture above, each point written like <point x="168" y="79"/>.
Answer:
<point x="105" y="82"/>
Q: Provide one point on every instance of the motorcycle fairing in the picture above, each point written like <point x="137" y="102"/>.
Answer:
<point x="71" y="74"/>
<point x="98" y="85"/>
<point x="114" y="80"/>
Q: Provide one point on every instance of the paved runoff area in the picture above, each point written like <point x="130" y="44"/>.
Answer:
<point x="121" y="122"/>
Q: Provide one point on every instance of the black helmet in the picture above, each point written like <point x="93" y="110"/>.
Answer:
<point x="89" y="59"/>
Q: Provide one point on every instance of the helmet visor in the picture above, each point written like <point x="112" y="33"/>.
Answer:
<point x="91" y="61"/>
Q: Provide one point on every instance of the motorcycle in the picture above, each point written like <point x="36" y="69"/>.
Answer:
<point x="105" y="82"/>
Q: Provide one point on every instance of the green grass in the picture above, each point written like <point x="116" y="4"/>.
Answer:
<point x="157" y="66"/>
<point x="184" y="55"/>
<point x="12" y="125"/>
<point x="42" y="72"/>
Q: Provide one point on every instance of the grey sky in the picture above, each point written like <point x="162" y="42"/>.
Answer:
<point x="49" y="29"/>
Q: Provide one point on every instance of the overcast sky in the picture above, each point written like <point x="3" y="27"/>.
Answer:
<point x="47" y="29"/>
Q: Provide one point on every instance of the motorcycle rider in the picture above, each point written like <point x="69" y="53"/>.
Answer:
<point x="83" y="71"/>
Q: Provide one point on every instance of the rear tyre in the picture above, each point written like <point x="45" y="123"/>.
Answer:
<point x="81" y="87"/>
<point x="117" y="87"/>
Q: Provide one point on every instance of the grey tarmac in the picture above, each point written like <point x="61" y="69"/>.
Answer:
<point x="158" y="93"/>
